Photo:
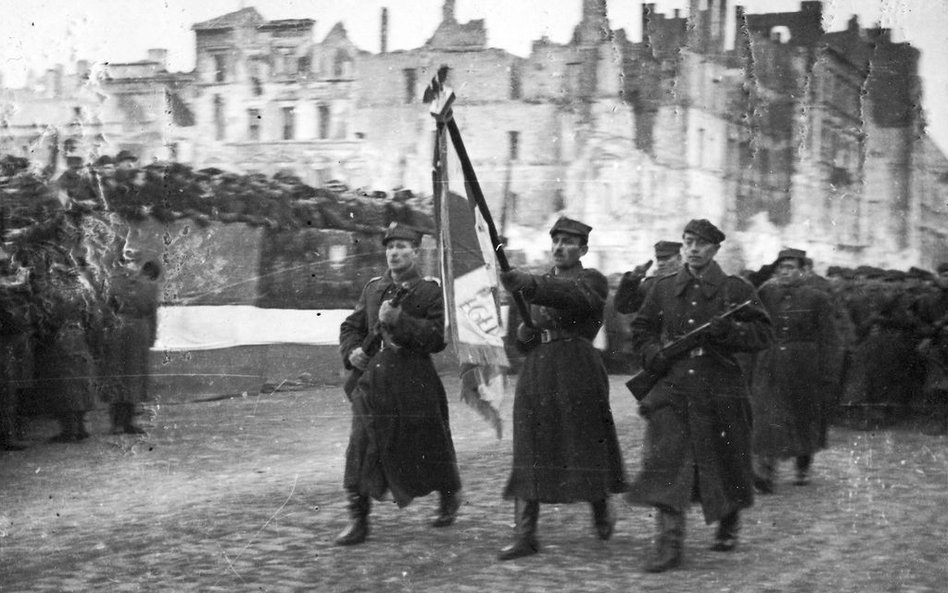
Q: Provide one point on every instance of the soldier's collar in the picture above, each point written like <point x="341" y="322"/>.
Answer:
<point x="411" y="276"/>
<point x="710" y="280"/>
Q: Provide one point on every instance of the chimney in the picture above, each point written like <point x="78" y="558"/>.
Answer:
<point x="159" y="55"/>
<point x="647" y="11"/>
<point x="677" y="13"/>
<point x="54" y="82"/>
<point x="447" y="12"/>
<point x="383" y="42"/>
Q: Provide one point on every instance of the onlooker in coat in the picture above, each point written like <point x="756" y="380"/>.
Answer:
<point x="794" y="379"/>
<point x="133" y="327"/>
<point x="697" y="440"/>
<point x="401" y="438"/>
<point x="932" y="311"/>
<point x="16" y="367"/>
<point x="565" y="447"/>
<point x="64" y="364"/>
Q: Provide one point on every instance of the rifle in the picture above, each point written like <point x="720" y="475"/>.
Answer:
<point x="643" y="381"/>
<point x="372" y="342"/>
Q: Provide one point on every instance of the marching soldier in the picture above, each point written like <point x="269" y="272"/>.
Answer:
<point x="698" y="435"/>
<point x="400" y="439"/>
<point x="16" y="366"/>
<point x="565" y="447"/>
<point x="795" y="378"/>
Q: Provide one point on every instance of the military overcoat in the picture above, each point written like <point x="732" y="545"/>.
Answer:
<point x="697" y="437"/>
<point x="565" y="447"/>
<point x="794" y="379"/>
<point x="401" y="437"/>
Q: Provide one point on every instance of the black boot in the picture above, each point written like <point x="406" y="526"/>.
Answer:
<point x="669" y="542"/>
<point x="803" y="463"/>
<point x="448" y="505"/>
<point x="67" y="428"/>
<point x="358" y="528"/>
<point x="603" y="519"/>
<point x="725" y="540"/>
<point x="764" y="475"/>
<point x="128" y="420"/>
<point x="80" y="426"/>
<point x="117" y="416"/>
<point x="527" y="512"/>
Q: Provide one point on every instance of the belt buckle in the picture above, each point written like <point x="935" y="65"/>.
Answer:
<point x="696" y="352"/>
<point x="546" y="336"/>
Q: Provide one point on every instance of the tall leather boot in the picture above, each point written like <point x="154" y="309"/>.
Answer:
<point x="803" y="463"/>
<point x="358" y="528"/>
<point x="67" y="428"/>
<point x="80" y="426"/>
<point x="603" y="519"/>
<point x="725" y="540"/>
<point x="128" y="420"/>
<point x="669" y="541"/>
<point x="764" y="475"/>
<point x="448" y="505"/>
<point x="527" y="512"/>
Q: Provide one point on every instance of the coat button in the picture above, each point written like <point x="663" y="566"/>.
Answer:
<point x="691" y="371"/>
<point x="691" y="321"/>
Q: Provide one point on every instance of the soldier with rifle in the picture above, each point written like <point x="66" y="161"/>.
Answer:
<point x="697" y="439"/>
<point x="400" y="440"/>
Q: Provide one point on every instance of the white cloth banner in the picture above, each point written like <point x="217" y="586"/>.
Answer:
<point x="210" y="327"/>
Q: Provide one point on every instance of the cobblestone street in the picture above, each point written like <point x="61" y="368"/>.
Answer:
<point x="244" y="494"/>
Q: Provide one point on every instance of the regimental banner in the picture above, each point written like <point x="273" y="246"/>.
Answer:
<point x="471" y="296"/>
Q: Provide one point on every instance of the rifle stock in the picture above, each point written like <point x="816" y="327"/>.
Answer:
<point x="372" y="342"/>
<point x="645" y="380"/>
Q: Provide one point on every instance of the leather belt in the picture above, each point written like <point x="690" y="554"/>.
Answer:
<point x="552" y="335"/>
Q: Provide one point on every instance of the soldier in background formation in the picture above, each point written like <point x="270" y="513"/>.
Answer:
<point x="794" y="379"/>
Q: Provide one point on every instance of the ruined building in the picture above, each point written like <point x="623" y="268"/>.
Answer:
<point x="783" y="133"/>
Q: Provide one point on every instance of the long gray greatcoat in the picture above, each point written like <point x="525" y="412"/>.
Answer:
<point x="133" y="300"/>
<point x="565" y="447"/>
<point x="794" y="379"/>
<point x="401" y="437"/>
<point x="698" y="435"/>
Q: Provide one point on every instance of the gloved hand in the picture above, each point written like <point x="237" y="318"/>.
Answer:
<point x="719" y="327"/>
<point x="515" y="280"/>
<point x="659" y="363"/>
<point x="358" y="358"/>
<point x="388" y="314"/>
<point x="640" y="270"/>
<point x="526" y="334"/>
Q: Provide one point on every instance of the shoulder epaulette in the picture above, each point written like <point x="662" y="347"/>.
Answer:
<point x="434" y="279"/>
<point x="374" y="279"/>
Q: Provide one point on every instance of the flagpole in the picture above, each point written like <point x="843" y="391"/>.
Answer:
<point x="441" y="99"/>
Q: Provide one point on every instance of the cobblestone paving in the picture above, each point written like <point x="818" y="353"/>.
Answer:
<point x="244" y="495"/>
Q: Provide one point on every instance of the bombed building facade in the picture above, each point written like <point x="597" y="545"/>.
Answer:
<point x="783" y="133"/>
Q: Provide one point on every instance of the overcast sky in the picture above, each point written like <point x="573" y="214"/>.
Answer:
<point x="36" y="34"/>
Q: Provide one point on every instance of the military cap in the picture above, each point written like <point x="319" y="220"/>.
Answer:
<point x="705" y="229"/>
<point x="570" y="227"/>
<point x="73" y="161"/>
<point x="667" y="248"/>
<point x="847" y="273"/>
<point x="124" y="155"/>
<point x="893" y="275"/>
<point x="834" y="271"/>
<point x="104" y="160"/>
<point x="942" y="267"/>
<point x="791" y="253"/>
<point x="400" y="231"/>
<point x="920" y="273"/>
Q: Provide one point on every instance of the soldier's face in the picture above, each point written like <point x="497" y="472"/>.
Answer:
<point x="400" y="255"/>
<point x="668" y="264"/>
<point x="567" y="250"/>
<point x="942" y="279"/>
<point x="698" y="252"/>
<point x="789" y="270"/>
